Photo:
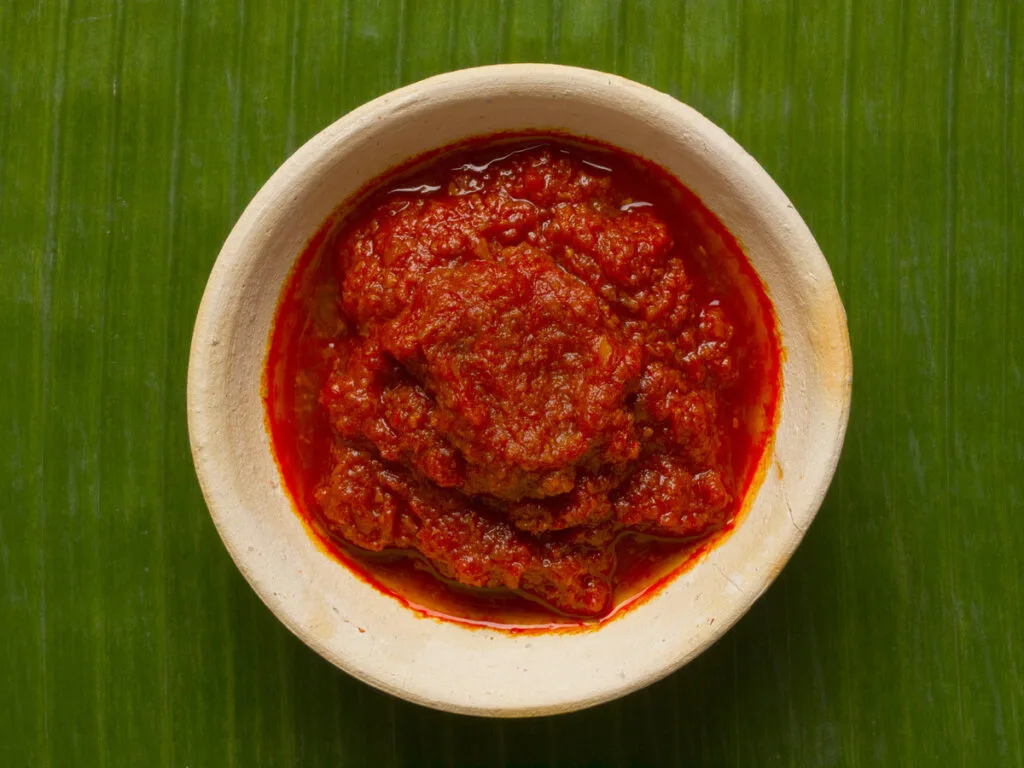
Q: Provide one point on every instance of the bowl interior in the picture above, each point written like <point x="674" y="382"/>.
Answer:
<point x="442" y="664"/>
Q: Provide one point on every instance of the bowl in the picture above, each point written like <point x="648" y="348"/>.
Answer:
<point x="446" y="665"/>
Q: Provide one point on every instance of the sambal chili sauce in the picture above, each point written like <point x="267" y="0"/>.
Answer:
<point x="522" y="380"/>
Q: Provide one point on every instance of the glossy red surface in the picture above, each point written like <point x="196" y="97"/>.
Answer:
<point x="522" y="381"/>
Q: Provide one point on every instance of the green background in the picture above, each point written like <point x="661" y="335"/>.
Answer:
<point x="132" y="134"/>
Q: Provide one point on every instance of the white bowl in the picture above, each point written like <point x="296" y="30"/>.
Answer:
<point x="447" y="665"/>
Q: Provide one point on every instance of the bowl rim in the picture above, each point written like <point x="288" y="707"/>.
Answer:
<point x="214" y="460"/>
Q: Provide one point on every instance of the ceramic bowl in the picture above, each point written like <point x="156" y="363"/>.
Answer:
<point x="447" y="665"/>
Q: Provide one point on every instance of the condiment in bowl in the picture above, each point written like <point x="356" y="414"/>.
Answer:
<point x="520" y="367"/>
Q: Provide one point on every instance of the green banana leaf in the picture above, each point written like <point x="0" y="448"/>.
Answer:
<point x="133" y="133"/>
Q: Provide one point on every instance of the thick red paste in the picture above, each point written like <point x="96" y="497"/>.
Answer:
<point x="520" y="366"/>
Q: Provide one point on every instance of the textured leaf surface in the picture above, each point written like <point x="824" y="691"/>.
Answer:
<point x="133" y="133"/>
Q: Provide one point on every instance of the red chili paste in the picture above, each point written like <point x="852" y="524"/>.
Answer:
<point x="524" y="368"/>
